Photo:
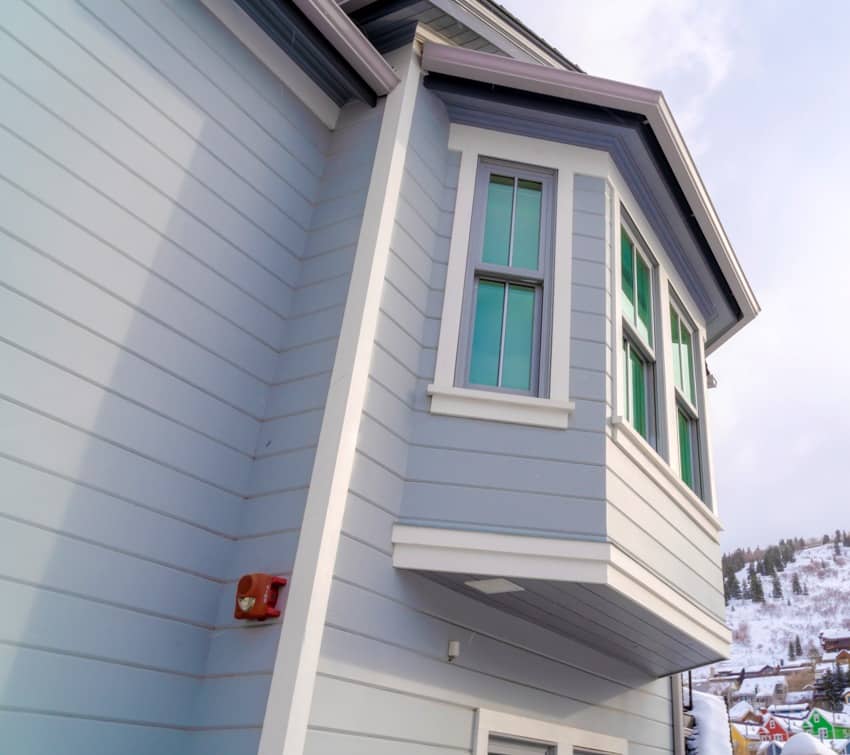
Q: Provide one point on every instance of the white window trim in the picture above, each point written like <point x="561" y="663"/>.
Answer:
<point x="567" y="160"/>
<point x="562" y="739"/>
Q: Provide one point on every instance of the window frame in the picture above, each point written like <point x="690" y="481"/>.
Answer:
<point x="540" y="280"/>
<point x="631" y="339"/>
<point x="689" y="408"/>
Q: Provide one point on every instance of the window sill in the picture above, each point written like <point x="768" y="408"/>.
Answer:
<point x="500" y="407"/>
<point x="632" y="443"/>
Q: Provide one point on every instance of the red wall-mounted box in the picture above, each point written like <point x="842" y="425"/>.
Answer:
<point x="256" y="597"/>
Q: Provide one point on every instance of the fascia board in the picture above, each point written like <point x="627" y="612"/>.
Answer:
<point x="650" y="103"/>
<point x="343" y="34"/>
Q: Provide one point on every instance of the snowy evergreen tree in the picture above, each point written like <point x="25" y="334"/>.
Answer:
<point x="792" y="656"/>
<point x="798" y="648"/>
<point x="777" y="587"/>
<point x="796" y="587"/>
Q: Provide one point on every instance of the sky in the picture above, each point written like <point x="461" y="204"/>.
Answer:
<point x="761" y="91"/>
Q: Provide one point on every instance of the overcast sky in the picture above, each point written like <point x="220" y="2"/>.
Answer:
<point x="761" y="90"/>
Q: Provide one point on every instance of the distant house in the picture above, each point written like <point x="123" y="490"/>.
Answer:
<point x="835" y="639"/>
<point x="762" y="691"/>
<point x="745" y="738"/>
<point x="836" y="657"/>
<point x="773" y="730"/>
<point x="825" y="725"/>
<point x="743" y="712"/>
<point x="760" y="670"/>
<point x="795" y="711"/>
<point x="802" y="696"/>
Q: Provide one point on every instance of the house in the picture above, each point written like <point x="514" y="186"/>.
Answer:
<point x="745" y="738"/>
<point x="773" y="730"/>
<point x="837" y="657"/>
<point x="389" y="300"/>
<point x="832" y="640"/>
<point x="800" y="697"/>
<point x="826" y="725"/>
<point x="743" y="712"/>
<point x="762" y="692"/>
<point x="789" y="711"/>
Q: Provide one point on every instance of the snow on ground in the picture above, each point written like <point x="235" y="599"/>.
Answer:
<point x="761" y="631"/>
<point x="712" y="726"/>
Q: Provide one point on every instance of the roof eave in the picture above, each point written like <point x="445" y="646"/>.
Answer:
<point x="333" y="23"/>
<point x="650" y="103"/>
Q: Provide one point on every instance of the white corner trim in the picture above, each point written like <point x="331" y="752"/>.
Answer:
<point x="499" y="407"/>
<point x="636" y="447"/>
<point x="293" y="678"/>
<point x="491" y="554"/>
<point x="243" y="27"/>
<point x="564" y="739"/>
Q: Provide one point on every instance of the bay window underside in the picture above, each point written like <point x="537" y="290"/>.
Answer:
<point x="589" y="591"/>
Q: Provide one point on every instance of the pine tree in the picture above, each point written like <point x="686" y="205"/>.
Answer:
<point x="777" y="587"/>
<point x="825" y="540"/>
<point x="792" y="656"/>
<point x="798" y="648"/>
<point x="796" y="588"/>
<point x="756" y="589"/>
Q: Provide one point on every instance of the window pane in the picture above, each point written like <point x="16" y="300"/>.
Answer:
<point x="527" y="232"/>
<point x="519" y="335"/>
<point x="687" y="365"/>
<point x="497" y="223"/>
<point x="487" y="333"/>
<point x="627" y="254"/>
<point x="638" y="385"/>
<point x="685" y="449"/>
<point x="677" y="356"/>
<point x="644" y="301"/>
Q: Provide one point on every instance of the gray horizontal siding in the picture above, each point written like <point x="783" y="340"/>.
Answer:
<point x="179" y="232"/>
<point x="414" y="466"/>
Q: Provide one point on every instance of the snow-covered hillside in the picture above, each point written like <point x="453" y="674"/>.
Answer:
<point x="761" y="631"/>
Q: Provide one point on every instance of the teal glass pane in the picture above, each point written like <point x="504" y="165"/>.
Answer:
<point x="529" y="196"/>
<point x="626" y="382"/>
<point x="627" y="254"/>
<point x="687" y="386"/>
<point x="644" y="301"/>
<point x="497" y="220"/>
<point x="638" y="384"/>
<point x="685" y="450"/>
<point x="487" y="333"/>
<point x="677" y="357"/>
<point x="519" y="338"/>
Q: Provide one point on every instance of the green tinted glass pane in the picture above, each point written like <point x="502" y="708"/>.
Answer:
<point x="519" y="335"/>
<point x="497" y="221"/>
<point x="677" y="360"/>
<point x="687" y="386"/>
<point x="685" y="450"/>
<point x="627" y="253"/>
<point x="487" y="334"/>
<point x="644" y="301"/>
<point x="527" y="231"/>
<point x="638" y="384"/>
<point x="627" y="382"/>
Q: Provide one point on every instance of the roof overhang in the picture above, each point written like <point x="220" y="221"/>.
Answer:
<point x="625" y="98"/>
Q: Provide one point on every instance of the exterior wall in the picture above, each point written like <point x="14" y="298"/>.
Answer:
<point x="177" y="234"/>
<point x="384" y="684"/>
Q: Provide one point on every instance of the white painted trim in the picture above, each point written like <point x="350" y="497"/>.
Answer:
<point x="350" y="42"/>
<point x="243" y="27"/>
<point x="293" y="678"/>
<point x="500" y="407"/>
<point x="568" y="161"/>
<point x="531" y="77"/>
<point x="636" y="448"/>
<point x="563" y="739"/>
<point x="490" y="554"/>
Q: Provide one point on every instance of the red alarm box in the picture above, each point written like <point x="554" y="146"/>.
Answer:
<point x="256" y="597"/>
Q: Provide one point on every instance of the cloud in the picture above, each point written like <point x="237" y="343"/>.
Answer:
<point x="683" y="47"/>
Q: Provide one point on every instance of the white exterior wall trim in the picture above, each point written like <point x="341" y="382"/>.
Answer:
<point x="526" y="557"/>
<point x="342" y="33"/>
<point x="293" y="678"/>
<point x="496" y="69"/>
<point x="243" y="27"/>
<point x="563" y="739"/>
<point x="474" y="143"/>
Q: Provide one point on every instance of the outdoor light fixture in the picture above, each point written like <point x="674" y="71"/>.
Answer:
<point x="493" y="586"/>
<point x="256" y="597"/>
<point x="454" y="650"/>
